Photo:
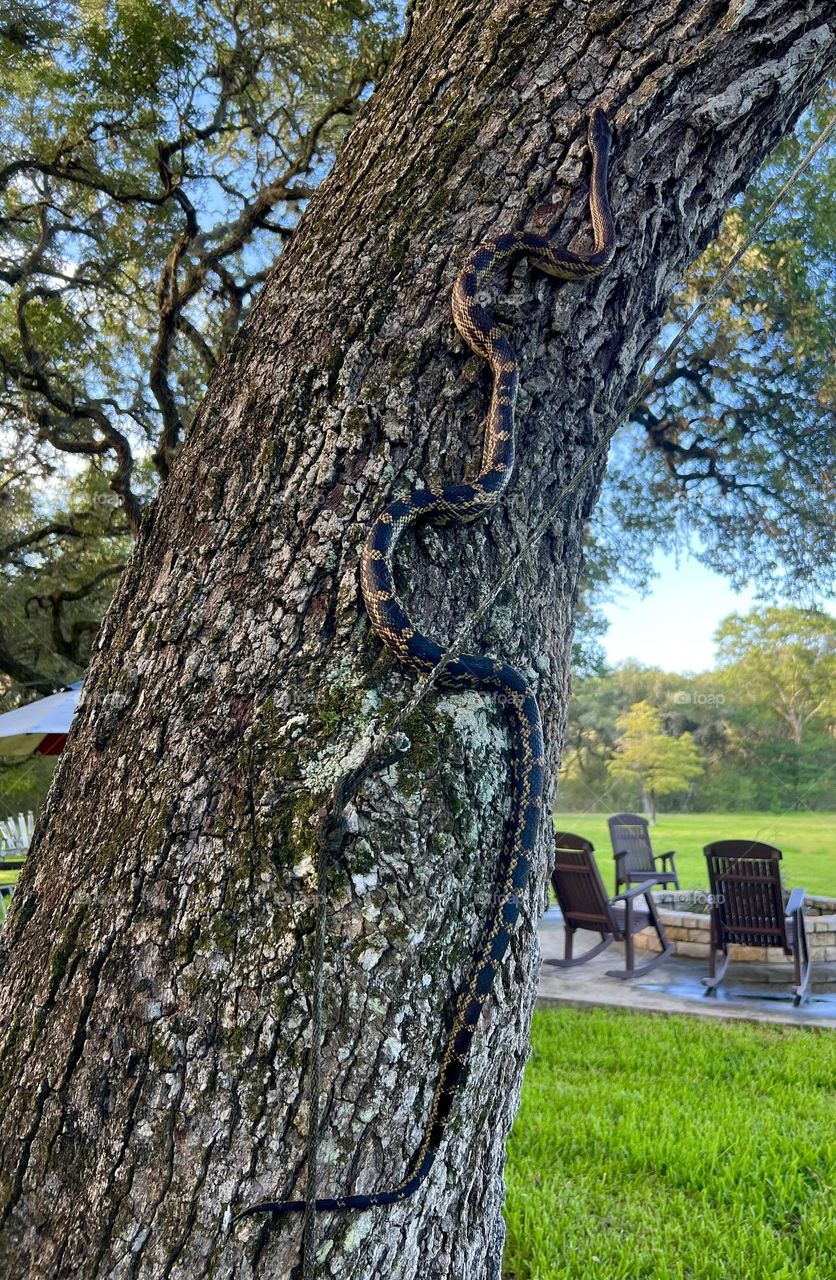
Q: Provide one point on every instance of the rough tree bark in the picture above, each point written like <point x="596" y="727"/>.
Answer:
<point x="157" y="984"/>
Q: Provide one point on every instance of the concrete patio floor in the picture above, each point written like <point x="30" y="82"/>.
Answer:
<point x="755" y="993"/>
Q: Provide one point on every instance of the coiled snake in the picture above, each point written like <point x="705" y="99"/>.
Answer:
<point x="463" y="503"/>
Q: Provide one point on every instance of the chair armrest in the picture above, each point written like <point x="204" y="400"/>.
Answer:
<point x="796" y="902"/>
<point x="664" y="857"/>
<point x="619" y="856"/>
<point x="639" y="891"/>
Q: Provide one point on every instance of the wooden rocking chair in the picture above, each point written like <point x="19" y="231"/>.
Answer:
<point x="635" y="860"/>
<point x="583" y="900"/>
<point x="747" y="909"/>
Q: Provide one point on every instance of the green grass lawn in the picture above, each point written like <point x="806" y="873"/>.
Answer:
<point x="672" y="1148"/>
<point x="807" y="841"/>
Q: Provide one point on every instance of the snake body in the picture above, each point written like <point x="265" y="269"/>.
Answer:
<point x="462" y="503"/>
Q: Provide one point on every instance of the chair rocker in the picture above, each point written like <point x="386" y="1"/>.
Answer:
<point x="747" y="909"/>
<point x="583" y="900"/>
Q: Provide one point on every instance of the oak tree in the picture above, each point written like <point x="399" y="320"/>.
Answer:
<point x="659" y="764"/>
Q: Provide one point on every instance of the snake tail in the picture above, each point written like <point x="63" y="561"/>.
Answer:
<point x="462" y="503"/>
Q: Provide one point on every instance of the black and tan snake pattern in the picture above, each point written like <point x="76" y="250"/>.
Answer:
<point x="463" y="503"/>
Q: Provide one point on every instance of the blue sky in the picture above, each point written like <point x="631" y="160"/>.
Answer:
<point x="672" y="627"/>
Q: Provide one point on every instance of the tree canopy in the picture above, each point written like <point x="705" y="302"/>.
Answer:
<point x="158" y="159"/>
<point x="731" y="453"/>
<point x="784" y="660"/>
<point x="660" y="764"/>
<point x="159" y="155"/>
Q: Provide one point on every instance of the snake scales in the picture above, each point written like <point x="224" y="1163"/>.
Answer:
<point x="463" y="503"/>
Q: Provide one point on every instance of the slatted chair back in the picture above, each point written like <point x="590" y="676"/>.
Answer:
<point x="578" y="886"/>
<point x="630" y="835"/>
<point x="745" y="879"/>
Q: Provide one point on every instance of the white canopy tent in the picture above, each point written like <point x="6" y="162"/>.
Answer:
<point x="40" y="727"/>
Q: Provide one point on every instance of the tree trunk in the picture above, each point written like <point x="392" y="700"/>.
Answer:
<point x="157" y="991"/>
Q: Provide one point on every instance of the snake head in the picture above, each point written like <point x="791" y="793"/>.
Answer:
<point x="600" y="133"/>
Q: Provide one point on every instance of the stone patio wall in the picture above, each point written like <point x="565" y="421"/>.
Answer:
<point x="690" y="930"/>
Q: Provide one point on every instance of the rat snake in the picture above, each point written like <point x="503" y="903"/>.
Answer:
<point x="462" y="503"/>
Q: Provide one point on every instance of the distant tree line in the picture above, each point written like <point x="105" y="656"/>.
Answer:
<point x="756" y="733"/>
